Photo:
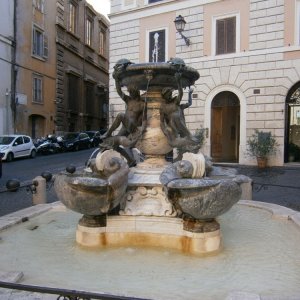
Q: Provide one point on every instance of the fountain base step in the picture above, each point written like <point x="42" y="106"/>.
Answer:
<point x="142" y="231"/>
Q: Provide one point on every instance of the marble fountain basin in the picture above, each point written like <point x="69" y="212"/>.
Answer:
<point x="205" y="198"/>
<point x="94" y="193"/>
<point x="160" y="75"/>
<point x="201" y="198"/>
<point x="259" y="260"/>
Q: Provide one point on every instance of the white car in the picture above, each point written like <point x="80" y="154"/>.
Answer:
<point x="13" y="146"/>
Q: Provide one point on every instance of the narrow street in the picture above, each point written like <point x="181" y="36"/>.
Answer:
<point x="27" y="169"/>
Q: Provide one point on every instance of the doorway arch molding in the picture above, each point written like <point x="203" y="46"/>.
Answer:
<point x="243" y="112"/>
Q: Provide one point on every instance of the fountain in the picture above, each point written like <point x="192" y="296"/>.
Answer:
<point x="150" y="228"/>
<point x="153" y="202"/>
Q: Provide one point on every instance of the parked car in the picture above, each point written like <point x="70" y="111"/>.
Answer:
<point x="76" y="141"/>
<point x="95" y="137"/>
<point x="13" y="146"/>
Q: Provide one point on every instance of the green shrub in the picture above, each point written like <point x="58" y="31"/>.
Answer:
<point x="261" y="144"/>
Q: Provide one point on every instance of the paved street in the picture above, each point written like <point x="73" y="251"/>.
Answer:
<point x="279" y="185"/>
<point x="26" y="169"/>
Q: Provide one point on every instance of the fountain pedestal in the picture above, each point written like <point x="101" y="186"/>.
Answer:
<point x="154" y="144"/>
<point x="143" y="231"/>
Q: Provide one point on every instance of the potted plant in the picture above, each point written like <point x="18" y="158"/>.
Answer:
<point x="261" y="145"/>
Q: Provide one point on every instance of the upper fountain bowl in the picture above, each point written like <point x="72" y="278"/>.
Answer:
<point x="149" y="75"/>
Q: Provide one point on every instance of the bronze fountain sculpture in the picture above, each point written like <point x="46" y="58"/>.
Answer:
<point x="153" y="202"/>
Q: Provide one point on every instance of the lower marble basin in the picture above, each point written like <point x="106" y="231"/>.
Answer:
<point x="90" y="193"/>
<point x="206" y="198"/>
<point x="201" y="198"/>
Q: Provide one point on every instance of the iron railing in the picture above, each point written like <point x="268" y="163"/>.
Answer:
<point x="64" y="294"/>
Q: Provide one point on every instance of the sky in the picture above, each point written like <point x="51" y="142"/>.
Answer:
<point x="101" y="6"/>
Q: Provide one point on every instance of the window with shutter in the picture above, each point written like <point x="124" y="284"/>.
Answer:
<point x="73" y="17"/>
<point x="102" y="42"/>
<point x="39" y="5"/>
<point x="37" y="42"/>
<point x="73" y="93"/>
<point x="88" y="31"/>
<point x="37" y="92"/>
<point x="45" y="54"/>
<point x="89" y="98"/>
<point x="226" y="35"/>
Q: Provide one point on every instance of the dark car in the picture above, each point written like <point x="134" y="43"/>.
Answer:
<point x="76" y="141"/>
<point x="95" y="137"/>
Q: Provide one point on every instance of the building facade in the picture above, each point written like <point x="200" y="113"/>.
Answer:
<point x="7" y="52"/>
<point x="35" y="69"/>
<point x="247" y="53"/>
<point x="54" y="58"/>
<point x="82" y="37"/>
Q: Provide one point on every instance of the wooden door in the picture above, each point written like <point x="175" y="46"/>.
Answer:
<point x="216" y="132"/>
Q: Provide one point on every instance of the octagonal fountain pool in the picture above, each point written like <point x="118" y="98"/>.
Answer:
<point x="260" y="256"/>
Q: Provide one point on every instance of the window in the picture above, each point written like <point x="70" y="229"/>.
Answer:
<point x="18" y="141"/>
<point x="88" y="31"/>
<point x="39" y="5"/>
<point x="73" y="18"/>
<point x="153" y="1"/>
<point x="39" y="43"/>
<point x="102" y="42"/>
<point x="157" y="51"/>
<point x="26" y="139"/>
<point x="89" y="98"/>
<point x="73" y="93"/>
<point x="37" y="89"/>
<point x="226" y="35"/>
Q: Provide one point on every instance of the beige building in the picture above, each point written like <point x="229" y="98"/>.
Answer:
<point x="61" y="67"/>
<point x="247" y="53"/>
<point x="35" y="69"/>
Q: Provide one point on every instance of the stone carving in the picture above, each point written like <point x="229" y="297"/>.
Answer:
<point x="135" y="116"/>
<point x="146" y="201"/>
<point x="198" y="162"/>
<point x="97" y="192"/>
<point x="172" y="120"/>
<point x="200" y="198"/>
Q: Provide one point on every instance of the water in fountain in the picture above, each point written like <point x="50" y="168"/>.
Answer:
<point x="259" y="255"/>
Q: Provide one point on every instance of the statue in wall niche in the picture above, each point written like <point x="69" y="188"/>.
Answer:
<point x="172" y="119"/>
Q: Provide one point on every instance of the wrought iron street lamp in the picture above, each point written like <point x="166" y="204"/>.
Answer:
<point x="180" y="24"/>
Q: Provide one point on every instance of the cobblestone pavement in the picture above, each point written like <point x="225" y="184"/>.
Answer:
<point x="278" y="185"/>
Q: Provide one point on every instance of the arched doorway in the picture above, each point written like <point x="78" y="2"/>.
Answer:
<point x="225" y="127"/>
<point x="292" y="126"/>
<point x="37" y="126"/>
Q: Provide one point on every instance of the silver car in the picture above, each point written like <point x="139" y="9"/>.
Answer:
<point x="13" y="146"/>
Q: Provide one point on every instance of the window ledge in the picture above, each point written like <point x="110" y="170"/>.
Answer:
<point x="102" y="56"/>
<point x="90" y="47"/>
<point x="74" y="35"/>
<point x="38" y="57"/>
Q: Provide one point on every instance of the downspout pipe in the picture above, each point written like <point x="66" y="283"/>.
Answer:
<point x="14" y="70"/>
